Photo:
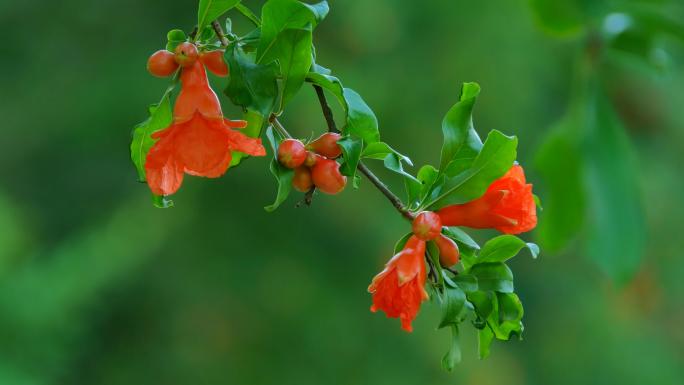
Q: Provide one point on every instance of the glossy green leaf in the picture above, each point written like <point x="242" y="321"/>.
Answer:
<point x="483" y="301"/>
<point x="380" y="150"/>
<point x="453" y="356"/>
<point x="510" y="313"/>
<point x="485" y="337"/>
<point x="500" y="249"/>
<point x="453" y="306"/>
<point x="210" y="10"/>
<point x="159" y="119"/>
<point x="252" y="86"/>
<point x="351" y="151"/>
<point x="173" y="38"/>
<point x="493" y="277"/>
<point x="466" y="282"/>
<point x="282" y="174"/>
<point x="361" y="120"/>
<point x="460" y="138"/>
<point x="278" y="16"/>
<point x="292" y="51"/>
<point x="494" y="160"/>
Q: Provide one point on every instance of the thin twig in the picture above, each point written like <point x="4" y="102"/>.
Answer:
<point x="219" y="33"/>
<point x="396" y="202"/>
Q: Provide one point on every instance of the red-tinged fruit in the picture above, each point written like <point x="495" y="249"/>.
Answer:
<point x="326" y="145"/>
<point x="399" y="289"/>
<point x="310" y="159"/>
<point x="427" y="225"/>
<point x="327" y="177"/>
<point x="302" y="181"/>
<point x="449" y="254"/>
<point x="214" y="62"/>
<point x="291" y="153"/>
<point x="186" y="54"/>
<point x="162" y="63"/>
<point x="507" y="205"/>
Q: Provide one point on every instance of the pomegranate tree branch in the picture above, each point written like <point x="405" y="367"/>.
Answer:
<point x="332" y="127"/>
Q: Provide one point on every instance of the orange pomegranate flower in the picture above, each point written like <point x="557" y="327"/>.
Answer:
<point x="199" y="141"/>
<point x="508" y="206"/>
<point x="399" y="289"/>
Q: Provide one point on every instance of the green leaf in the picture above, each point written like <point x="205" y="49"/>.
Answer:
<point x="534" y="249"/>
<point x="361" y="120"/>
<point x="351" y="151"/>
<point x="510" y="313"/>
<point x="483" y="302"/>
<point x="495" y="159"/>
<point x="453" y="356"/>
<point x="282" y="174"/>
<point x="252" y="86"/>
<point x="616" y="228"/>
<point x="501" y="249"/>
<point x="280" y="15"/>
<point x="563" y="180"/>
<point x="485" y="337"/>
<point x="467" y="282"/>
<point x="493" y="277"/>
<point x="428" y="176"/>
<point x="380" y="150"/>
<point x="173" y="38"/>
<point x="210" y="10"/>
<point x="466" y="245"/>
<point x="559" y="17"/>
<point x="160" y="118"/>
<point x="413" y="186"/>
<point x="460" y="138"/>
<point x="453" y="306"/>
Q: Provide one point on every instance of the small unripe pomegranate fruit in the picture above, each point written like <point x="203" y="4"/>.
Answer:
<point x="162" y="63"/>
<point x="326" y="145"/>
<point x="302" y="181"/>
<point x="448" y="251"/>
<point x="310" y="159"/>
<point x="427" y="225"/>
<point x="186" y="54"/>
<point x="327" y="177"/>
<point x="291" y="153"/>
<point x="214" y="62"/>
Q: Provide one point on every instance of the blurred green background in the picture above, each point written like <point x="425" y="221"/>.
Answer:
<point x="99" y="287"/>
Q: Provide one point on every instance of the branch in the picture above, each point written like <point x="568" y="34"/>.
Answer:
<point x="332" y="127"/>
<point x="396" y="202"/>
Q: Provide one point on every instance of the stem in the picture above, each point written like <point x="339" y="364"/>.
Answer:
<point x="219" y="33"/>
<point x="332" y="127"/>
<point x="396" y="202"/>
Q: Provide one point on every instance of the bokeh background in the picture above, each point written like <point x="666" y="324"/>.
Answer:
<point x="99" y="287"/>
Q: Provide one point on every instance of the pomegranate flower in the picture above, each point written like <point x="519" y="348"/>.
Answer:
<point x="399" y="289"/>
<point x="199" y="141"/>
<point x="507" y="205"/>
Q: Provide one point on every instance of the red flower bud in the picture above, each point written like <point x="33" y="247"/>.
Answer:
<point x="186" y="54"/>
<point x="162" y="63"/>
<point x="302" y="179"/>
<point x="399" y="289"/>
<point x="327" y="177"/>
<point x="310" y="159"/>
<point x="508" y="206"/>
<point x="448" y="251"/>
<point x="427" y="225"/>
<point x="326" y="145"/>
<point x="291" y="153"/>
